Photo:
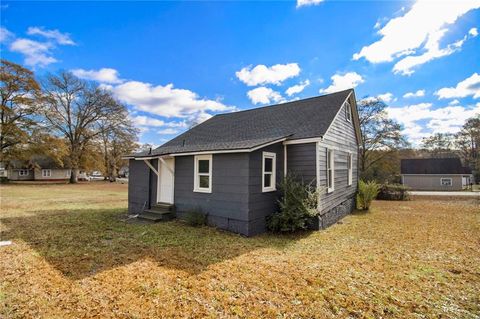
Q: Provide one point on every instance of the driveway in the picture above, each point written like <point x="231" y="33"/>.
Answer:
<point x="433" y="193"/>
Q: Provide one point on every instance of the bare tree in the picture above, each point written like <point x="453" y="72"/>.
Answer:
<point x="118" y="138"/>
<point x="19" y="94"/>
<point x="467" y="141"/>
<point x="438" y="144"/>
<point x="380" y="134"/>
<point x="74" y="109"/>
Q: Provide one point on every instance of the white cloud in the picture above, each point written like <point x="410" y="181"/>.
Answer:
<point x="264" y="95"/>
<point x="166" y="100"/>
<point x="36" y="53"/>
<point x="57" y="36"/>
<point x="342" y="82"/>
<point x="386" y="97"/>
<point x="454" y="102"/>
<point x="419" y="29"/>
<point x="419" y="93"/>
<point x="142" y="120"/>
<point x="467" y="87"/>
<point x="5" y="35"/>
<point x="473" y="32"/>
<point x="297" y="88"/>
<point x="104" y="75"/>
<point x="421" y="120"/>
<point x="262" y="74"/>
<point x="168" y="131"/>
<point x="145" y="123"/>
<point x="406" y="65"/>
<point x="304" y="3"/>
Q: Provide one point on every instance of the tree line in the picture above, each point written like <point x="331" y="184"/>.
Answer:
<point x="383" y="145"/>
<point x="77" y="123"/>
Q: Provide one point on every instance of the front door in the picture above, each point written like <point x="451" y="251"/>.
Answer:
<point x="166" y="169"/>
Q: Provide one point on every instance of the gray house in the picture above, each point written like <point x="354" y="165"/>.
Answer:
<point x="37" y="168"/>
<point x="435" y="174"/>
<point x="230" y="165"/>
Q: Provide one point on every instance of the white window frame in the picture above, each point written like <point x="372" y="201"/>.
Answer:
<point x="45" y="171"/>
<point x="349" y="168"/>
<point x="68" y="173"/>
<point x="348" y="111"/>
<point x="446" y="178"/>
<point x="330" y="167"/>
<point x="197" y="174"/>
<point x="272" y="174"/>
<point x="23" y="172"/>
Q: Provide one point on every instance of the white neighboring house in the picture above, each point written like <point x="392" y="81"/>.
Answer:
<point x="38" y="168"/>
<point x="435" y="174"/>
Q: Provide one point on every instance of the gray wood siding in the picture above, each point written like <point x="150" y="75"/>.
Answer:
<point x="301" y="161"/>
<point x="262" y="204"/>
<point x="13" y="175"/>
<point x="138" y="185"/>
<point x="341" y="137"/>
<point x="56" y="174"/>
<point x="227" y="204"/>
<point x="432" y="182"/>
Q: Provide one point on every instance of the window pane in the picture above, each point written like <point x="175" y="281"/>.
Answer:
<point x="203" y="166"/>
<point x="204" y="181"/>
<point x="267" y="180"/>
<point x="329" y="178"/>
<point x="268" y="164"/>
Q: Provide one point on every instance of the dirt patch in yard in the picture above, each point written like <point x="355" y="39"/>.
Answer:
<point x="72" y="257"/>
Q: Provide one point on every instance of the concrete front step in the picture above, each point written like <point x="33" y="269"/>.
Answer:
<point x="156" y="216"/>
<point x="163" y="207"/>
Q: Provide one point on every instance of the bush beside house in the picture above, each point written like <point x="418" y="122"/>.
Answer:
<point x="394" y="192"/>
<point x="298" y="205"/>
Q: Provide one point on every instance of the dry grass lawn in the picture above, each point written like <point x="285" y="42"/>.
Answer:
<point x="73" y="257"/>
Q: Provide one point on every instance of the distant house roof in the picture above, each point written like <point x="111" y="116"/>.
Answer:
<point x="252" y="128"/>
<point x="38" y="161"/>
<point x="433" y="166"/>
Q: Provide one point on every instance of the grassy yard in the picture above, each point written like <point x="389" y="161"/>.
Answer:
<point x="73" y="257"/>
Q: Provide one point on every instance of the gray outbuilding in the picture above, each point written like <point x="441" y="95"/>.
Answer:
<point x="229" y="166"/>
<point x="435" y="174"/>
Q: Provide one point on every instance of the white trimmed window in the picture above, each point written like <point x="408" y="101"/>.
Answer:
<point x="268" y="172"/>
<point x="349" y="168"/>
<point x="23" y="172"/>
<point x="68" y="173"/>
<point x="46" y="172"/>
<point x="203" y="174"/>
<point x="445" y="181"/>
<point x="330" y="170"/>
<point x="348" y="112"/>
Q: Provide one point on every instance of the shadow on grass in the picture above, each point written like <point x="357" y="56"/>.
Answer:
<point x="81" y="243"/>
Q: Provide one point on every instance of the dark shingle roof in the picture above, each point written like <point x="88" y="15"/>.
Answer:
<point x="250" y="128"/>
<point x="433" y="166"/>
<point x="39" y="161"/>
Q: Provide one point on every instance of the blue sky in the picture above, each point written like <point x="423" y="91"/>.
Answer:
<point x="178" y="62"/>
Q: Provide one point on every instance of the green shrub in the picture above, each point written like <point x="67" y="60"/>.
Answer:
<point x="297" y="205"/>
<point x="394" y="192"/>
<point x="196" y="218"/>
<point x="367" y="192"/>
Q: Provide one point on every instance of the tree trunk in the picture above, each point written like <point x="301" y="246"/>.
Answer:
<point x="74" y="176"/>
